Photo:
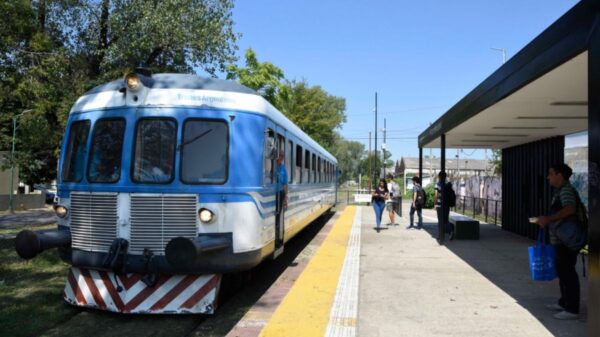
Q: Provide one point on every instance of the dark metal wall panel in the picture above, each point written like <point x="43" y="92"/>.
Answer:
<point x="525" y="190"/>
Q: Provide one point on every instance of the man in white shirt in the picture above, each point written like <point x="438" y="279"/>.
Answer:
<point x="394" y="202"/>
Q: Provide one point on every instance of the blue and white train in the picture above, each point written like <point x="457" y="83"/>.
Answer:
<point x="168" y="181"/>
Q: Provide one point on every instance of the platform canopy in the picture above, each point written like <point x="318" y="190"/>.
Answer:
<point x="541" y="92"/>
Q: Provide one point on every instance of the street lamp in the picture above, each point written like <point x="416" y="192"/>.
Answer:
<point x="12" y="160"/>
<point x="503" y="53"/>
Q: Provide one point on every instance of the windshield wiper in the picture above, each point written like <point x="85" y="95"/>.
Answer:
<point x="193" y="139"/>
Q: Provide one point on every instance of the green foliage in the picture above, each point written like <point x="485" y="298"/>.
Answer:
<point x="264" y="77"/>
<point x="315" y="111"/>
<point x="310" y="107"/>
<point x="348" y="154"/>
<point x="51" y="52"/>
<point x="430" y="191"/>
<point x="497" y="162"/>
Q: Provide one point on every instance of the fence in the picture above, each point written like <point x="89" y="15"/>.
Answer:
<point x="480" y="208"/>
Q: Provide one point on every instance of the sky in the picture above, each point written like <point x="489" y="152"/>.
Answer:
<point x="420" y="57"/>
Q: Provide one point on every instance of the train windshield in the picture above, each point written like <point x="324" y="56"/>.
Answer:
<point x="107" y="143"/>
<point x="73" y="166"/>
<point x="154" y="153"/>
<point x="204" y="151"/>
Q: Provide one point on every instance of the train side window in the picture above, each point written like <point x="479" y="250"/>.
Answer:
<point x="306" y="174"/>
<point x="289" y="157"/>
<point x="204" y="151"/>
<point x="104" y="165"/>
<point x="270" y="153"/>
<point x="298" y="168"/>
<point x="314" y="168"/>
<point x="73" y="166"/>
<point x="154" y="153"/>
<point x="319" y="175"/>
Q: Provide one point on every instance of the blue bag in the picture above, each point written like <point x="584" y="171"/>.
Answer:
<point x="542" y="259"/>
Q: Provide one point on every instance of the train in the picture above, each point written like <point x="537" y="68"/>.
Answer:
<point x="167" y="182"/>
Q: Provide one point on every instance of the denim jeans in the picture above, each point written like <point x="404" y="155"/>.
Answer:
<point x="378" y="206"/>
<point x="418" y="209"/>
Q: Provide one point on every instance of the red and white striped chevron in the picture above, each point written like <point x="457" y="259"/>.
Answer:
<point x="172" y="294"/>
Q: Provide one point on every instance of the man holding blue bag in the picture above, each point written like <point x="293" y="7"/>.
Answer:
<point x="568" y="233"/>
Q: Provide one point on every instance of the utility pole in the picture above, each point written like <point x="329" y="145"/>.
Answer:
<point x="376" y="152"/>
<point x="384" y="148"/>
<point x="370" y="170"/>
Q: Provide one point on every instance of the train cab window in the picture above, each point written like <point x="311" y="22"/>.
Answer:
<point x="104" y="165"/>
<point x="270" y="153"/>
<point x="306" y="173"/>
<point x="298" y="168"/>
<point x="314" y="168"/>
<point x="289" y="156"/>
<point x="204" y="151"/>
<point x="154" y="153"/>
<point x="73" y="166"/>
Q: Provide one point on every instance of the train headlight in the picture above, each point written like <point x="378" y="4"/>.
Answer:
<point x="133" y="82"/>
<point x="205" y="215"/>
<point x="61" y="211"/>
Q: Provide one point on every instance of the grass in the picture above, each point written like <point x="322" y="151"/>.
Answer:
<point x="31" y="292"/>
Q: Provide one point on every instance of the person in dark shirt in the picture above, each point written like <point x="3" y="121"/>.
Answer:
<point x="564" y="205"/>
<point x="378" y="200"/>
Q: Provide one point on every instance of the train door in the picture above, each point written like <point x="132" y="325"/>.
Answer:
<point x="280" y="208"/>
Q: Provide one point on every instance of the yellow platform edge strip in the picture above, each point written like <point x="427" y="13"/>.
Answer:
<point x="305" y="309"/>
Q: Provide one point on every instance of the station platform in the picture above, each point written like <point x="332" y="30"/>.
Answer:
<point x="353" y="281"/>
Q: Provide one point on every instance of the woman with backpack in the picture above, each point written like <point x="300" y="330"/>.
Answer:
<point x="418" y="200"/>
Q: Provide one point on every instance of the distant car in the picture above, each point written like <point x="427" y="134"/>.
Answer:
<point x="50" y="195"/>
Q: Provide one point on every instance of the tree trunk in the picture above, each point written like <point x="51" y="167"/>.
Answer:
<point x="98" y="57"/>
<point x="42" y="16"/>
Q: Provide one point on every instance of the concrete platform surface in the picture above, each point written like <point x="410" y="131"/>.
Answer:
<point x="412" y="286"/>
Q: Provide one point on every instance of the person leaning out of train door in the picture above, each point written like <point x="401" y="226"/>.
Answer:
<point x="282" y="181"/>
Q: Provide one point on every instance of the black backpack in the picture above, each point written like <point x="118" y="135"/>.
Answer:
<point x="421" y="196"/>
<point x="450" y="196"/>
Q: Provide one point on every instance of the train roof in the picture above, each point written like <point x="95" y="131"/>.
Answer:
<point x="188" y="90"/>
<point x="178" y="81"/>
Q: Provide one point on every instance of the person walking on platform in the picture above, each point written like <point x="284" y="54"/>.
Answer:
<point x="378" y="198"/>
<point x="394" y="202"/>
<point x="418" y="199"/>
<point x="443" y="214"/>
<point x="565" y="207"/>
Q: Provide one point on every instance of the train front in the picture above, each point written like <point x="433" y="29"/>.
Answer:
<point x="131" y="222"/>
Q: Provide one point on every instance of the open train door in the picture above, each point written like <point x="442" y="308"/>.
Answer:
<point x="279" y="208"/>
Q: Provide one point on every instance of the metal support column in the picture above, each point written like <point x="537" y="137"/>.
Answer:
<point x="441" y="223"/>
<point x="421" y="165"/>
<point x="593" y="304"/>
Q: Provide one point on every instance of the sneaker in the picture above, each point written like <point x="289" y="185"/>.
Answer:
<point x="566" y="315"/>
<point x="554" y="307"/>
<point x="409" y="227"/>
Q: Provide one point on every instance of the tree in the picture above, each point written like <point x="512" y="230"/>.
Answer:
<point x="264" y="77"/>
<point x="349" y="155"/>
<point x="311" y="108"/>
<point x="497" y="161"/>
<point x="315" y="111"/>
<point x="51" y="52"/>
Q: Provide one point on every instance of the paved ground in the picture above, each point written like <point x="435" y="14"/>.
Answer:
<point x="412" y="286"/>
